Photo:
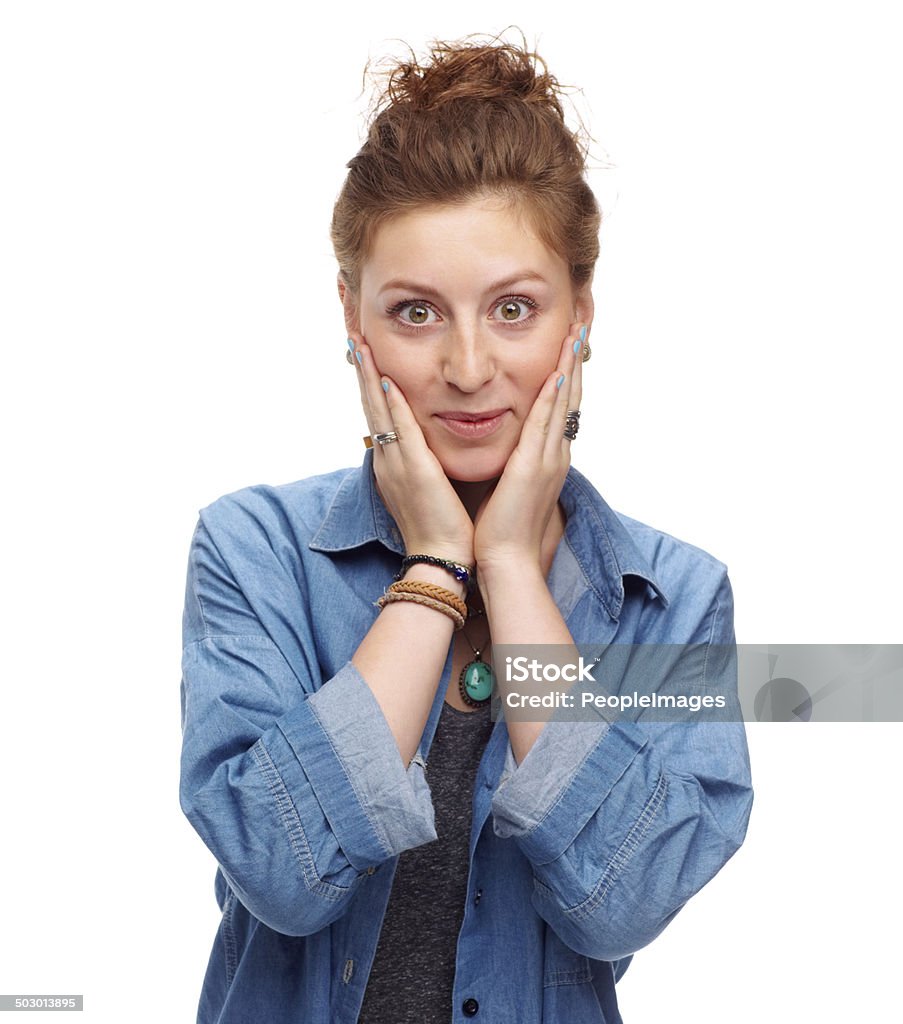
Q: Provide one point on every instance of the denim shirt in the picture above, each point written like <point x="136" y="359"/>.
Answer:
<point x="579" y="855"/>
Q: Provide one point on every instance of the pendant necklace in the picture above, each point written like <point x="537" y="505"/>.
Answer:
<point x="476" y="679"/>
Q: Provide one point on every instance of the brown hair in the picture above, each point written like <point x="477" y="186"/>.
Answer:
<point x="473" y="119"/>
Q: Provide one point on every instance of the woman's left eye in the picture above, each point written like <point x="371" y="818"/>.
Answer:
<point x="514" y="310"/>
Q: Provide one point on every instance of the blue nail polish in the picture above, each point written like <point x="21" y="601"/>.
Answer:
<point x="582" y="334"/>
<point x="386" y="386"/>
<point x="350" y="345"/>
<point x="577" y="345"/>
<point x="560" y="382"/>
<point x="360" y="358"/>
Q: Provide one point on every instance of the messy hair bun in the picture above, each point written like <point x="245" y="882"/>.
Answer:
<point x="473" y="119"/>
<point x="472" y="72"/>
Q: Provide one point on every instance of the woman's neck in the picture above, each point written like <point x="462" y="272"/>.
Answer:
<point x="472" y="494"/>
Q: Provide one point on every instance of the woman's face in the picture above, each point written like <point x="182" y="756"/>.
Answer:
<point x="466" y="310"/>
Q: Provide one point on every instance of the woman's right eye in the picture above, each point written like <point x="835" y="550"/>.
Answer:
<point x="414" y="314"/>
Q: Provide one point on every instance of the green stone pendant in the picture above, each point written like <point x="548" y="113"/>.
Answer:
<point x="475" y="682"/>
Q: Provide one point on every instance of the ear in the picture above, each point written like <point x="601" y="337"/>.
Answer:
<point x="583" y="304"/>
<point x="352" y="319"/>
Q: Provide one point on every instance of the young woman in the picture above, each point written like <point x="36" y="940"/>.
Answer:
<point x="387" y="852"/>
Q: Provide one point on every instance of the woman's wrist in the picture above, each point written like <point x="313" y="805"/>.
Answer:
<point x="450" y="550"/>
<point x="509" y="579"/>
<point x="508" y="567"/>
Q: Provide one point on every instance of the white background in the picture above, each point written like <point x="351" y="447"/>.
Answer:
<point x="170" y="333"/>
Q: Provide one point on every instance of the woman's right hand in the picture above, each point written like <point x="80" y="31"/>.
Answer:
<point x="411" y="481"/>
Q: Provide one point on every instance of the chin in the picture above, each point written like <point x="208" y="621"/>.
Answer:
<point x="474" y="466"/>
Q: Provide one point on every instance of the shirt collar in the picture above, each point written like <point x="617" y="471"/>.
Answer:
<point x="601" y="544"/>
<point x="357" y="515"/>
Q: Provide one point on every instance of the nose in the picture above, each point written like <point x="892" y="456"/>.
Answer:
<point x="467" y="362"/>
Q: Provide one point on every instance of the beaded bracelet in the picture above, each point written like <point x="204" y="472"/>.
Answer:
<point x="465" y="574"/>
<point x="427" y="602"/>
<point x="432" y="590"/>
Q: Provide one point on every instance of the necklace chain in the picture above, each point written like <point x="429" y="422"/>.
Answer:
<point x="477" y="651"/>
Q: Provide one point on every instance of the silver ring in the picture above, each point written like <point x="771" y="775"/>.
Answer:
<point x="383" y="439"/>
<point x="572" y="424"/>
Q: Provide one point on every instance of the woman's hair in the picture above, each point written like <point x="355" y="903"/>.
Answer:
<point x="472" y="120"/>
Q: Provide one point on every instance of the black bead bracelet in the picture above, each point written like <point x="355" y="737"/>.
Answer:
<point x="465" y="574"/>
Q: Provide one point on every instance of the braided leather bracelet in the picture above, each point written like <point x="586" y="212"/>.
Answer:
<point x="427" y="602"/>
<point x="432" y="590"/>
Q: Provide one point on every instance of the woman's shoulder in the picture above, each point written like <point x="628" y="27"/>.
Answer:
<point x="298" y="507"/>
<point x="660" y="547"/>
<point x="689" y="579"/>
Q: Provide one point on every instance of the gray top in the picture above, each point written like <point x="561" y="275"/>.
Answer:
<point x="413" y="971"/>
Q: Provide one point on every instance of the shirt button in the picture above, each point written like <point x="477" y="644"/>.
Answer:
<point x="470" y="1007"/>
<point x="477" y="896"/>
<point x="371" y="870"/>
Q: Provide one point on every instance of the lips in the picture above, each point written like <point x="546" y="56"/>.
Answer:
<point x="472" y="424"/>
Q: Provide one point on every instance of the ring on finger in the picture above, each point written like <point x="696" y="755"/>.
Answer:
<point x="389" y="437"/>
<point x="572" y="424"/>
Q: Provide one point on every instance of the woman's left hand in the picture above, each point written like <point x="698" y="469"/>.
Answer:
<point x="512" y="521"/>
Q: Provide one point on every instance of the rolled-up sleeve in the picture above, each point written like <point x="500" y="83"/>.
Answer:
<point x="624" y="821"/>
<point x="294" y="783"/>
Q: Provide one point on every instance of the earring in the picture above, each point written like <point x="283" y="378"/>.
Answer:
<point x="587" y="352"/>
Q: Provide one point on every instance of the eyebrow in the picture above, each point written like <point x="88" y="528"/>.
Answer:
<point x="413" y="288"/>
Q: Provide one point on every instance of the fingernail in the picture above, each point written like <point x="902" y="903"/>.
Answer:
<point x="560" y="382"/>
<point x="386" y="386"/>
<point x="582" y="334"/>
<point x="350" y="345"/>
<point x="360" y="358"/>
<point x="577" y="345"/>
